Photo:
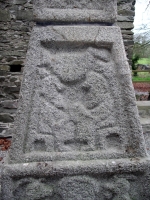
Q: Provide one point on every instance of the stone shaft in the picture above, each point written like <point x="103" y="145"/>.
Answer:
<point x="77" y="134"/>
<point x="69" y="93"/>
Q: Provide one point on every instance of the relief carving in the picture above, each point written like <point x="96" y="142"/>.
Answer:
<point x="117" y="189"/>
<point x="75" y="101"/>
<point x="72" y="188"/>
<point x="78" y="187"/>
<point x="32" y="189"/>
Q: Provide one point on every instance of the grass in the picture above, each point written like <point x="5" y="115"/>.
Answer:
<point x="141" y="77"/>
<point x="144" y="61"/>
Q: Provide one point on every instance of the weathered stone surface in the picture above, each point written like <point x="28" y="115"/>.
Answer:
<point x="72" y="11"/>
<point x="144" y="112"/>
<point x="20" y="2"/>
<point x="129" y="37"/>
<point x="71" y="87"/>
<point x="16" y="62"/>
<point x="10" y="89"/>
<point x="126" y="25"/>
<point x="77" y="134"/>
<point x="2" y="78"/>
<point x="23" y="27"/>
<point x="4" y="67"/>
<point x="93" y="180"/>
<point x="129" y="42"/>
<point x="4" y="15"/>
<point x="9" y="104"/>
<point x="24" y="15"/>
<point x="126" y="12"/>
<point x="125" y="18"/>
<point x="6" y="130"/>
<point x="6" y="118"/>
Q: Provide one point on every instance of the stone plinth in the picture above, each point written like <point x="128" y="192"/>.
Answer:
<point x="72" y="180"/>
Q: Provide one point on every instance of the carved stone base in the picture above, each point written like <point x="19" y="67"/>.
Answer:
<point x="120" y="179"/>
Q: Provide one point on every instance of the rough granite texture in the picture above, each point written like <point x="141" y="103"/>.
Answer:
<point x="16" y="22"/>
<point x="121" y="179"/>
<point x="75" y="11"/>
<point x="77" y="134"/>
<point x="68" y="98"/>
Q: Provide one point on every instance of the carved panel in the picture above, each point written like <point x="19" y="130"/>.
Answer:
<point x="72" y="188"/>
<point x="72" y="101"/>
<point x="74" y="97"/>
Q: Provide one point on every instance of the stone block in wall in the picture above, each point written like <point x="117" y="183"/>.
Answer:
<point x="3" y="39"/>
<point x="6" y="118"/>
<point x="121" y="18"/>
<point x="4" y="15"/>
<point x="12" y="89"/>
<point x="10" y="85"/>
<point x="13" y="53"/>
<point x="6" y="129"/>
<point x="128" y="42"/>
<point x="26" y="15"/>
<point x="124" y="1"/>
<point x="19" y="2"/>
<point x="127" y="37"/>
<point x="2" y="78"/>
<point x="4" y="67"/>
<point x="125" y="25"/>
<point x="126" y="5"/>
<point x="126" y="12"/>
<point x="16" y="62"/>
<point x="144" y="112"/>
<point x="11" y="58"/>
<point x="9" y="104"/>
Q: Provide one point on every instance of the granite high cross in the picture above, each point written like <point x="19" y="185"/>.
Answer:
<point x="77" y="134"/>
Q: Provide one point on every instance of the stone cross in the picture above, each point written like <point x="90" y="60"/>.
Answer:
<point x="77" y="134"/>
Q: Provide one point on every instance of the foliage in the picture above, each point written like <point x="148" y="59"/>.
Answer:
<point x="144" y="61"/>
<point x="142" y="44"/>
<point x="135" y="59"/>
<point x="142" y="32"/>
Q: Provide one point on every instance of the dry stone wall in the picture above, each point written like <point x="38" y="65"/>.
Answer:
<point x="16" y="22"/>
<point x="126" y="11"/>
<point x="15" y="27"/>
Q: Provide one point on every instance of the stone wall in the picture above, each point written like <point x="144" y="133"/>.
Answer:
<point x="125" y="21"/>
<point x="15" y="27"/>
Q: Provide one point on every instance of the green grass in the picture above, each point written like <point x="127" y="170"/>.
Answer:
<point x="144" y="61"/>
<point x="141" y="77"/>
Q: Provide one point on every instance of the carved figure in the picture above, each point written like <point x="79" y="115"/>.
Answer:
<point x="117" y="189"/>
<point x="121" y="189"/>
<point x="32" y="189"/>
<point x="73" y="104"/>
<point x="78" y="187"/>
